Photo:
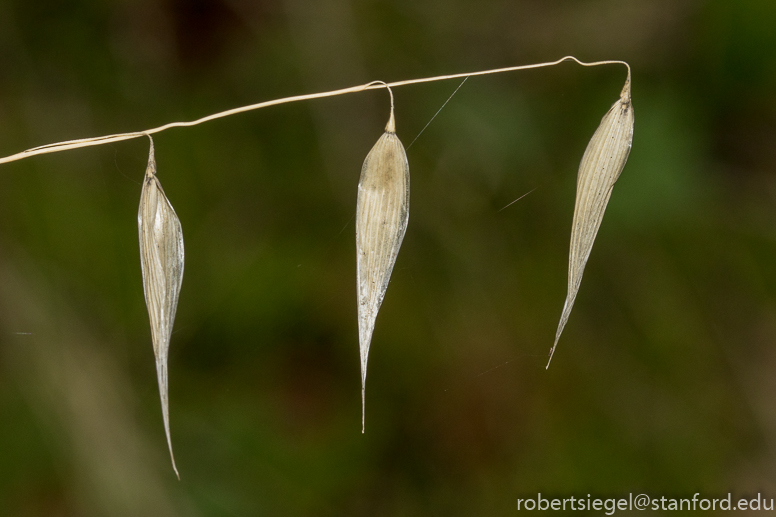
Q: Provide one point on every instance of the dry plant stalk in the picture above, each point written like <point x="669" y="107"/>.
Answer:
<point x="382" y="213"/>
<point x="107" y="139"/>
<point x="601" y="165"/>
<point x="161" y="260"/>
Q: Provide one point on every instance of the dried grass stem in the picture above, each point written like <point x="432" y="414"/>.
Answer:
<point x="88" y="142"/>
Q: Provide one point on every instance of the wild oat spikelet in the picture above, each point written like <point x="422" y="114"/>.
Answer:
<point x="601" y="165"/>
<point x="161" y="260"/>
<point x="381" y="220"/>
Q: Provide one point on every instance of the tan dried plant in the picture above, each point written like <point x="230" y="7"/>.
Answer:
<point x="161" y="261"/>
<point x="382" y="213"/>
<point x="599" y="169"/>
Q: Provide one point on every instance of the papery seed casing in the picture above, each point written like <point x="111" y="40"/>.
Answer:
<point x="601" y="166"/>
<point x="161" y="260"/>
<point x="381" y="220"/>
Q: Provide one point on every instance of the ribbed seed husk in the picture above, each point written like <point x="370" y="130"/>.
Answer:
<point x="381" y="220"/>
<point x="601" y="165"/>
<point x="161" y="260"/>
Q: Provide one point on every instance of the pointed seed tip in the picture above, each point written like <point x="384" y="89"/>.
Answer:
<point x="172" y="461"/>
<point x="552" y="352"/>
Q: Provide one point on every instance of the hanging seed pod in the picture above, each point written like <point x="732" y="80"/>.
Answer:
<point x="161" y="260"/>
<point x="601" y="165"/>
<point x="381" y="220"/>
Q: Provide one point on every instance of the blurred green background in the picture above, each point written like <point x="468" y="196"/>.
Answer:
<point x="664" y="381"/>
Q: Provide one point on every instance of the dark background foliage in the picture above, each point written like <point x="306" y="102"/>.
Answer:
<point x="664" y="381"/>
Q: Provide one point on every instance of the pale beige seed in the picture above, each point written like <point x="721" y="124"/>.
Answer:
<point x="601" y="165"/>
<point x="161" y="260"/>
<point x="381" y="220"/>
